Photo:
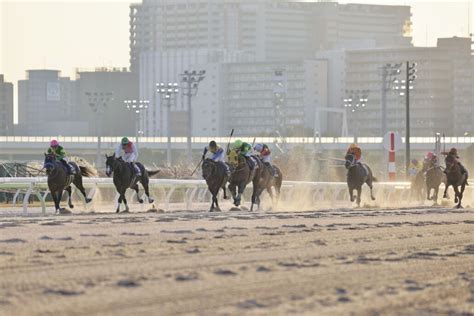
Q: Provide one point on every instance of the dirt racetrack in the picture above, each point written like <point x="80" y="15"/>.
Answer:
<point x="329" y="262"/>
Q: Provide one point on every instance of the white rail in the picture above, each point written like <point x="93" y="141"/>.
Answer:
<point x="333" y="193"/>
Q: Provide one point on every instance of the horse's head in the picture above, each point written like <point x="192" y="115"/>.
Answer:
<point x="208" y="167"/>
<point x="110" y="164"/>
<point x="49" y="163"/>
<point x="451" y="163"/>
<point x="233" y="158"/>
<point x="350" y="161"/>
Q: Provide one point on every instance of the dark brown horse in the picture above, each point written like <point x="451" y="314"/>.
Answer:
<point x="241" y="175"/>
<point x="357" y="176"/>
<point x="59" y="180"/>
<point x="434" y="177"/>
<point x="266" y="181"/>
<point x="418" y="185"/>
<point x="124" y="178"/>
<point x="216" y="178"/>
<point x="455" y="178"/>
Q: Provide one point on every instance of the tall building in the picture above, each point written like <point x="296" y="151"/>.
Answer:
<point x="6" y="107"/>
<point x="267" y="98"/>
<point x="112" y="114"/>
<point x="168" y="37"/>
<point x="47" y="105"/>
<point x="441" y="98"/>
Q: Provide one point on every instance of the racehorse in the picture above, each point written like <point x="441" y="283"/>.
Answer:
<point x="59" y="180"/>
<point x="434" y="177"/>
<point x="241" y="175"/>
<point x="418" y="185"/>
<point x="124" y="178"/>
<point x="356" y="177"/>
<point x="456" y="179"/>
<point x="216" y="178"/>
<point x="266" y="181"/>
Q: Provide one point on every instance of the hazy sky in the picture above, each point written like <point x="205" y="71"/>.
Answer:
<point x="66" y="34"/>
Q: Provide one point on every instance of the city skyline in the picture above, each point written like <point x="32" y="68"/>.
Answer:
<point x="108" y="45"/>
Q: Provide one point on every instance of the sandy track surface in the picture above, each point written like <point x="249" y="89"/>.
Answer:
<point x="364" y="261"/>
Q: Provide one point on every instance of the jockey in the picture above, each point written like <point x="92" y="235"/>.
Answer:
<point x="216" y="153"/>
<point x="245" y="150"/>
<point x="357" y="152"/>
<point x="264" y="152"/>
<point x="433" y="158"/>
<point x="414" y="169"/>
<point x="454" y="153"/>
<point x="130" y="153"/>
<point x="60" y="154"/>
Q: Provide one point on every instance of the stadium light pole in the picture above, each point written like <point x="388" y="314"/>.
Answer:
<point x="410" y="77"/>
<point x="137" y="107"/>
<point x="389" y="73"/>
<point x="166" y="92"/>
<point x="191" y="80"/>
<point x="354" y="101"/>
<point x="98" y="102"/>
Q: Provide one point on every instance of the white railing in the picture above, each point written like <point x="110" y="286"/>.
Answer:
<point x="309" y="195"/>
<point x="328" y="194"/>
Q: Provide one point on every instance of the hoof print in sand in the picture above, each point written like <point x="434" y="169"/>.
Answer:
<point x="62" y="292"/>
<point x="225" y="272"/>
<point x="128" y="283"/>
<point x="186" y="277"/>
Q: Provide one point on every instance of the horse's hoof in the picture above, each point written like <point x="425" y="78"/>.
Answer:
<point x="150" y="200"/>
<point x="117" y="211"/>
<point x="88" y="200"/>
<point x="140" y="201"/>
<point x="71" y="206"/>
<point x="373" y="199"/>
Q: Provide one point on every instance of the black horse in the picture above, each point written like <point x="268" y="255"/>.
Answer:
<point x="455" y="178"/>
<point x="241" y="175"/>
<point x="124" y="178"/>
<point x="434" y="177"/>
<point x="59" y="180"/>
<point x="357" y="176"/>
<point x="216" y="178"/>
<point x="266" y="181"/>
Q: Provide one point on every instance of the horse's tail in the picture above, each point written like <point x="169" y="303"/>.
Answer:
<point x="152" y="172"/>
<point x="86" y="171"/>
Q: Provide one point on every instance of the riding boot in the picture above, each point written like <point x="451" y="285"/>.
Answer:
<point x="271" y="169"/>
<point x="226" y="168"/>
<point x="69" y="168"/>
<point x="366" y="172"/>
<point x="251" y="163"/>
<point x="138" y="172"/>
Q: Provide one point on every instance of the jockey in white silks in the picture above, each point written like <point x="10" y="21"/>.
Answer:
<point x="130" y="153"/>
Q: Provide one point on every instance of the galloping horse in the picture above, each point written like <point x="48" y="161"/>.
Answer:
<point x="241" y="175"/>
<point x="124" y="178"/>
<point x="456" y="179"/>
<point x="418" y="185"/>
<point x="216" y="178"/>
<point x="59" y="180"/>
<point x="266" y="181"/>
<point x="434" y="177"/>
<point x="356" y="177"/>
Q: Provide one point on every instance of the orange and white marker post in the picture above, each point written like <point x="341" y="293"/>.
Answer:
<point x="392" y="169"/>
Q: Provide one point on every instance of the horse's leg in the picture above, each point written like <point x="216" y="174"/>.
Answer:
<point x="351" y="193"/>
<point x="254" y="197"/>
<point x="69" y="200"/>
<point x="371" y="186"/>
<point x="457" y="196"/>
<point x="78" y="183"/>
<point x="445" y="194"/>
<point x="232" y="189"/>
<point x="461" y="194"/>
<point x="225" y="192"/>
<point x="359" y="189"/>
<point x="135" y="187"/>
<point x="146" y="186"/>
<point x="119" y="202"/>
<point x="60" y="196"/>
<point x="56" y="202"/>
<point x="125" y="202"/>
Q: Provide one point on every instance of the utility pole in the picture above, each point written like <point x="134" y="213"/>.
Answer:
<point x="166" y="92"/>
<point x="98" y="102"/>
<point x="410" y="77"/>
<point x="191" y="80"/>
